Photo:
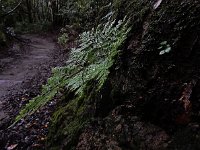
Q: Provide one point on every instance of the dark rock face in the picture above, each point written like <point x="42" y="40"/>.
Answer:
<point x="168" y="81"/>
<point x="122" y="131"/>
<point x="160" y="89"/>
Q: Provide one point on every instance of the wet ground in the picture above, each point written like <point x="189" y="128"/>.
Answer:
<point x="24" y="68"/>
<point x="17" y="70"/>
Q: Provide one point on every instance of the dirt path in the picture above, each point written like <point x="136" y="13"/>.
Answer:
<point x="24" y="66"/>
<point x="23" y="70"/>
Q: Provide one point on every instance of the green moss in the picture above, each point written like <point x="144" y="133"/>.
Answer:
<point x="68" y="121"/>
<point x="2" y="37"/>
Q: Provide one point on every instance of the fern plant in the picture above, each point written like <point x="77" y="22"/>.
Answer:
<point x="62" y="40"/>
<point x="91" y="61"/>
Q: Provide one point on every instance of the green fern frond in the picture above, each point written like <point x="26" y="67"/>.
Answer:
<point x="91" y="61"/>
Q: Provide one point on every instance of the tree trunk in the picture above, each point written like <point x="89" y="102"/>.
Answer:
<point x="29" y="9"/>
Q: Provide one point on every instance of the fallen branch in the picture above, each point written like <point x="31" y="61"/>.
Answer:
<point x="11" y="11"/>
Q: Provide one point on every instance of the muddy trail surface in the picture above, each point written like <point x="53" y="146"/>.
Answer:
<point x="24" y="68"/>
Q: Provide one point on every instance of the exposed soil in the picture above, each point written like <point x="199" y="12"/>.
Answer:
<point x="18" y="69"/>
<point x="24" y="68"/>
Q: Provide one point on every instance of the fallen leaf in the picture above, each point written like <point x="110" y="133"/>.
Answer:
<point x="184" y="118"/>
<point x="36" y="145"/>
<point x="42" y="139"/>
<point x="185" y="98"/>
<point x="157" y="4"/>
<point x="11" y="147"/>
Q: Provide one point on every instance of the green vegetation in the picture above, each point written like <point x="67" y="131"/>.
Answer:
<point x="164" y="48"/>
<point x="145" y="72"/>
<point x="62" y="40"/>
<point x="89" y="64"/>
<point x="39" y="15"/>
<point x="84" y="75"/>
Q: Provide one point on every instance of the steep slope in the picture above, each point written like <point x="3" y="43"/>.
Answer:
<point x="154" y="99"/>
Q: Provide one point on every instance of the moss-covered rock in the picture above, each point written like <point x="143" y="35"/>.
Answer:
<point x="69" y="120"/>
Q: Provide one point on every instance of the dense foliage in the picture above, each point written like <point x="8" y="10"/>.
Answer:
<point x="41" y="15"/>
<point x="85" y="73"/>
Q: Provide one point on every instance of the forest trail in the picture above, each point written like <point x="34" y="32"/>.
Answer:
<point x="24" y="66"/>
